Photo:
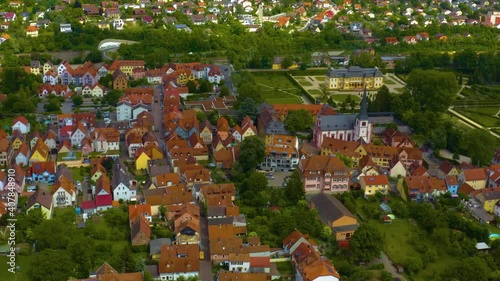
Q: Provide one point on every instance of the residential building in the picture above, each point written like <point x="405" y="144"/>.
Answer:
<point x="475" y="177"/>
<point x="139" y="231"/>
<point x="155" y="247"/>
<point x="353" y="78"/>
<point x="282" y="154"/>
<point x="421" y="188"/>
<point x="120" y="81"/>
<point x="106" y="140"/>
<point x="40" y="200"/>
<point x="241" y="275"/>
<point x="334" y="214"/>
<point x="21" y="156"/>
<point x="103" y="195"/>
<point x="63" y="192"/>
<point x="333" y="146"/>
<point x="373" y="184"/>
<point x="321" y="173"/>
<point x="452" y="184"/>
<point x="4" y="149"/>
<point x="39" y="153"/>
<point x="124" y="188"/>
<point x="178" y="260"/>
<point x="348" y="127"/>
<point x="294" y="239"/>
<point x="282" y="110"/>
<point x="32" y="31"/>
<point x="42" y="172"/>
<point x="21" y="124"/>
<point x="488" y="198"/>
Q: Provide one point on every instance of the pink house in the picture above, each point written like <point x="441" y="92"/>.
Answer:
<point x="323" y="173"/>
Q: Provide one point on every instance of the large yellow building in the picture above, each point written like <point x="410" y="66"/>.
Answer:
<point x="373" y="184"/>
<point x="353" y="78"/>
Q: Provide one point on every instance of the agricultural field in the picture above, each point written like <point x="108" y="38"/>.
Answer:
<point x="276" y="88"/>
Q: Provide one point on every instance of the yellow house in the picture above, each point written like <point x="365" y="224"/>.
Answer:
<point x="141" y="159"/>
<point x="477" y="177"/>
<point x="334" y="214"/>
<point x="40" y="152"/>
<point x="41" y="200"/>
<point x="489" y="197"/>
<point x="374" y="184"/>
<point x="354" y="77"/>
<point x="97" y="171"/>
<point x="47" y="66"/>
<point x="184" y="77"/>
<point x="154" y="151"/>
<point x="17" y="141"/>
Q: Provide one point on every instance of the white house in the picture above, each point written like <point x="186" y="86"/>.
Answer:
<point x="98" y="91"/>
<point x="62" y="67"/>
<point x="87" y="90"/>
<point x="123" y="111"/>
<point x="117" y="24"/>
<point x="63" y="193"/>
<point x="122" y="186"/>
<point x="21" y="124"/>
<point x="138" y="109"/>
<point x="78" y="135"/>
<point x="239" y="262"/>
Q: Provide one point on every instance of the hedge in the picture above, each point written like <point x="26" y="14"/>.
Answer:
<point x="304" y="92"/>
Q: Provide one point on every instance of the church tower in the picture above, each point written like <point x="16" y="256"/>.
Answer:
<point x="363" y="128"/>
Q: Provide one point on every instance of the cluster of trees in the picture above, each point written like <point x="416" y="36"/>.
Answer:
<point x="423" y="105"/>
<point x="479" y="67"/>
<point x="19" y="87"/>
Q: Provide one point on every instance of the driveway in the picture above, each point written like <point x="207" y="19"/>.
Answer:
<point x="388" y="266"/>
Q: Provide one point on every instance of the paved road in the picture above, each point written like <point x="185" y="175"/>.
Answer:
<point x="226" y="70"/>
<point x="388" y="266"/>
<point x="157" y="110"/>
<point x="205" y="265"/>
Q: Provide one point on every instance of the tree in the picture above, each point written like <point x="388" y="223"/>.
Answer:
<point x="205" y="86"/>
<point x="254" y="189"/>
<point x="366" y="243"/>
<point x="191" y="85"/>
<point x="52" y="234"/>
<point x="126" y="262"/>
<point x="224" y="91"/>
<point x="298" y="121"/>
<point x="162" y="210"/>
<point x="247" y="107"/>
<point x="473" y="268"/>
<point x="201" y="116"/>
<point x="52" y="105"/>
<point x="77" y="100"/>
<point x="94" y="56"/>
<point x="326" y="233"/>
<point x="112" y="97"/>
<point x="434" y="90"/>
<point x="252" y="153"/>
<point x="51" y="265"/>
<point x="248" y="89"/>
<point x="294" y="189"/>
<point x="413" y="264"/>
<point x="480" y="146"/>
<point x="382" y="102"/>
<point x="81" y="250"/>
<point x="107" y="81"/>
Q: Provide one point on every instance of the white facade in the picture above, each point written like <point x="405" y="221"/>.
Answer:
<point x="239" y="266"/>
<point x="124" y="111"/>
<point x="51" y="143"/>
<point x="23" y="128"/>
<point x="132" y="148"/>
<point x="87" y="91"/>
<point x="62" y="198"/>
<point x="176" y="275"/>
<point x="154" y="79"/>
<point x="77" y="137"/>
<point x="117" y="24"/>
<point x="121" y="191"/>
<point x="138" y="110"/>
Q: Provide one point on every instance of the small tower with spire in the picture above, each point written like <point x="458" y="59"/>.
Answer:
<point x="363" y="129"/>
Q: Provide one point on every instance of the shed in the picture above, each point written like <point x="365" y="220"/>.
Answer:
<point x="482" y="247"/>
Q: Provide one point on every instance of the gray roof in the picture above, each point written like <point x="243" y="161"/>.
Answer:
<point x="220" y="221"/>
<point x="41" y="197"/>
<point x="216" y="211"/>
<point x="155" y="245"/>
<point x="120" y="176"/>
<point x="330" y="208"/>
<point x="354" y="71"/>
<point x="276" y="127"/>
<point x="337" y="122"/>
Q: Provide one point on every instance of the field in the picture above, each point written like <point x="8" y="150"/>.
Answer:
<point x="343" y="97"/>
<point x="23" y="263"/>
<point x="482" y="115"/>
<point x="402" y="238"/>
<point x="276" y="88"/>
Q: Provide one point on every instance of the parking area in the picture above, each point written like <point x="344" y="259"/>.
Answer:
<point x="279" y="177"/>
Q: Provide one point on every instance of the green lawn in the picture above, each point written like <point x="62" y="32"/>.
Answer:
<point x="284" y="101"/>
<point x="278" y="97"/>
<point x="482" y="115"/>
<point x="285" y="268"/>
<point x="305" y="83"/>
<point x="315" y="93"/>
<point x="77" y="176"/>
<point x="343" y="97"/>
<point x="388" y="81"/>
<point x="401" y="240"/>
<point x="77" y="154"/>
<point x="320" y="78"/>
<point x="482" y="93"/>
<point x="273" y="80"/>
<point x="23" y="262"/>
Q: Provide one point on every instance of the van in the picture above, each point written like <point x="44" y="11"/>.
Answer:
<point x="202" y="255"/>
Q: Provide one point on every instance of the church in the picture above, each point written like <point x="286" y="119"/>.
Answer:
<point x="348" y="127"/>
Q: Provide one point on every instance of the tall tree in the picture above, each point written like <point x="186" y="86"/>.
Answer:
<point x="294" y="189"/>
<point x="51" y="265"/>
<point x="473" y="268"/>
<point x="382" y="102"/>
<point x="298" y="121"/>
<point x="434" y="90"/>
<point x="480" y="146"/>
<point x="126" y="262"/>
<point x="252" y="153"/>
<point x="247" y="107"/>
<point x="81" y="250"/>
<point x="366" y="243"/>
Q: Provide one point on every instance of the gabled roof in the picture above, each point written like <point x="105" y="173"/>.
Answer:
<point x="446" y="167"/>
<point x="136" y="210"/>
<point x="139" y="225"/>
<point x="21" y="119"/>
<point x="330" y="208"/>
<point x="41" y="197"/>
<point x="65" y="184"/>
<point x="475" y="174"/>
<point x="241" y="276"/>
<point x="179" y="258"/>
<point x="103" y="184"/>
<point x="4" y="144"/>
<point x="40" y="167"/>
